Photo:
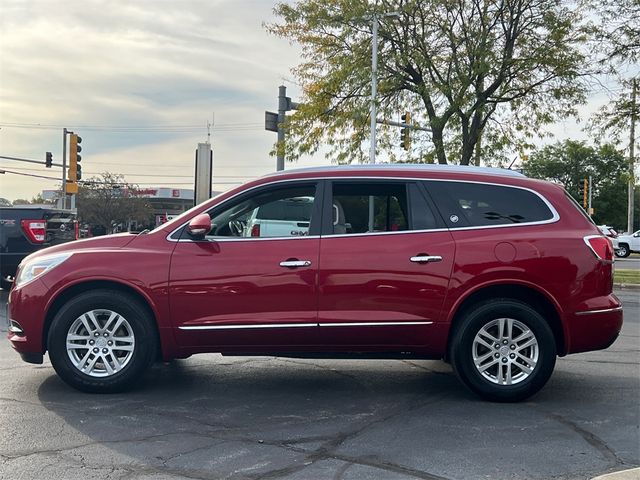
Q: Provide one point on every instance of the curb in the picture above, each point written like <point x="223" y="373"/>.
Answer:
<point x="627" y="286"/>
<point x="631" y="474"/>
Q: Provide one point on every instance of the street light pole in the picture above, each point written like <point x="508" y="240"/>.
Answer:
<point x="374" y="79"/>
<point x="374" y="89"/>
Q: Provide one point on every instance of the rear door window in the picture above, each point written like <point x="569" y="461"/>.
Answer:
<point x="365" y="207"/>
<point x="369" y="207"/>
<point x="479" y="205"/>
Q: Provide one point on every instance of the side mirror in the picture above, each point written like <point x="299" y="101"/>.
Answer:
<point x="199" y="226"/>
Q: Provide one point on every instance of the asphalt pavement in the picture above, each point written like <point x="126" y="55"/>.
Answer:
<point x="632" y="262"/>
<point x="212" y="417"/>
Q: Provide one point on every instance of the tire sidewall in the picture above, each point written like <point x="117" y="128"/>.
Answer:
<point x="126" y="306"/>
<point x="462" y="357"/>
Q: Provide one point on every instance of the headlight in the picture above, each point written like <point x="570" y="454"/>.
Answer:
<point x="32" y="269"/>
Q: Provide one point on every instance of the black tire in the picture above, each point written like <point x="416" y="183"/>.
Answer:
<point x="139" y="323"/>
<point x="623" y="250"/>
<point x="462" y="350"/>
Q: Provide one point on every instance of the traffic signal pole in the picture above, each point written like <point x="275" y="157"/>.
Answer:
<point x="63" y="197"/>
<point x="590" y="211"/>
<point x="282" y="111"/>
<point x="275" y="122"/>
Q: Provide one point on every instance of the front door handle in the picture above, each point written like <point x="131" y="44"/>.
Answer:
<point x="426" y="258"/>
<point x="295" y="263"/>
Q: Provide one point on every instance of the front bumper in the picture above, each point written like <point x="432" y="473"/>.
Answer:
<point x="26" y="314"/>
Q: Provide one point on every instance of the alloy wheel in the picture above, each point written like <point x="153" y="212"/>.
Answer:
<point x="100" y="343"/>
<point x="505" y="351"/>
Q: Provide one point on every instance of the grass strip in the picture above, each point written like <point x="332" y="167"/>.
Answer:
<point x="626" y="276"/>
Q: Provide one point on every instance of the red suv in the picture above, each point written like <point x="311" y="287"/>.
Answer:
<point x="491" y="271"/>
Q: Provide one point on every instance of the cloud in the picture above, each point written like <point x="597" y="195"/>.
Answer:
<point x="115" y="71"/>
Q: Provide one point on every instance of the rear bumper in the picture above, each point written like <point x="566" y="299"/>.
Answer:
<point x="596" y="326"/>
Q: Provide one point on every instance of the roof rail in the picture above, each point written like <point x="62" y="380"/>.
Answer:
<point x="408" y="166"/>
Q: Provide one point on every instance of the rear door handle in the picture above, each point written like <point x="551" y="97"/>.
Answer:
<point x="426" y="258"/>
<point x="295" y="263"/>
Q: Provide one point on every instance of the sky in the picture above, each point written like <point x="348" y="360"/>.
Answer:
<point x="139" y="81"/>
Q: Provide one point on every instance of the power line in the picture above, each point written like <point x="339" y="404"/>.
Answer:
<point x="142" y="174"/>
<point x="223" y="127"/>
<point x="29" y="175"/>
<point x="81" y="182"/>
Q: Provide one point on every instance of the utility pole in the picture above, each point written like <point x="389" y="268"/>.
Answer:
<point x="632" y="142"/>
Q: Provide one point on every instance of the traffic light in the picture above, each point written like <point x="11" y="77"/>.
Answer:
<point x="405" y="132"/>
<point x="48" y="160"/>
<point x="75" y="169"/>
<point x="584" y="192"/>
<point x="71" y="188"/>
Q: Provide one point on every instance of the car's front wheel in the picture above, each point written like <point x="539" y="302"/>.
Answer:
<point x="623" y="251"/>
<point x="101" y="341"/>
<point x="503" y="350"/>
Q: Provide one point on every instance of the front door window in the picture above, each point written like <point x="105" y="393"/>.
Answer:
<point x="283" y="212"/>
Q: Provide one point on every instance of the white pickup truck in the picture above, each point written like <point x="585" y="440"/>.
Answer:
<point x="282" y="218"/>
<point x="628" y="244"/>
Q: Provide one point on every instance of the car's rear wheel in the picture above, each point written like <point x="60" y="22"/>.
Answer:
<point x="102" y="341"/>
<point x="623" y="251"/>
<point x="503" y="350"/>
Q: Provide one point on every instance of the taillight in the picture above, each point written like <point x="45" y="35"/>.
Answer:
<point x="255" y="230"/>
<point x="600" y="246"/>
<point x="36" y="230"/>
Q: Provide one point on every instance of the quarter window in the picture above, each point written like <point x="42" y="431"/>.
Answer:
<point x="486" y="205"/>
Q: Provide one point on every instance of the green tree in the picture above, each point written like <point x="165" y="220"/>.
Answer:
<point x="617" y="29"/>
<point x="467" y="69"/>
<point x="36" y="200"/>
<point x="109" y="200"/>
<point x="569" y="162"/>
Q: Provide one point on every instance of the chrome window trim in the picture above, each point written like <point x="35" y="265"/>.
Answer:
<point x="245" y="239"/>
<point x="555" y="215"/>
<point x="604" y="310"/>
<point x="395" y="232"/>
<point x="304" y="325"/>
